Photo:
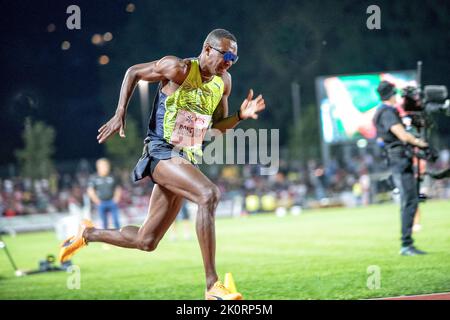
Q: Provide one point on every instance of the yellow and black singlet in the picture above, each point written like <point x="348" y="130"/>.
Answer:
<point x="181" y="119"/>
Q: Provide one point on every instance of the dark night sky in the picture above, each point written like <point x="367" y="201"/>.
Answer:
<point x="57" y="86"/>
<point x="63" y="87"/>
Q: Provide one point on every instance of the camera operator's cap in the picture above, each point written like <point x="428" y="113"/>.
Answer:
<point x="386" y="90"/>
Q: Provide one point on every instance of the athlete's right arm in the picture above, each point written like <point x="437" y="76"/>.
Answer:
<point x="168" y="68"/>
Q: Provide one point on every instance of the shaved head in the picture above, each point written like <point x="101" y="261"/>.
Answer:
<point x="216" y="35"/>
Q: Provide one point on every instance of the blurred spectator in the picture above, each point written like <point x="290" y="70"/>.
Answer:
<point x="104" y="191"/>
<point x="297" y="185"/>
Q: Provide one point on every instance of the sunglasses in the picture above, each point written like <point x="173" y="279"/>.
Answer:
<point x="227" y="55"/>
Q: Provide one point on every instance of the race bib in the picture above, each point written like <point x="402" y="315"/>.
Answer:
<point x="190" y="129"/>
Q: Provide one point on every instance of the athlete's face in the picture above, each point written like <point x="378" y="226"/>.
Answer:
<point x="220" y="56"/>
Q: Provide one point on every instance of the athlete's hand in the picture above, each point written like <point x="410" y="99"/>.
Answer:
<point x="250" y="107"/>
<point x="115" y="124"/>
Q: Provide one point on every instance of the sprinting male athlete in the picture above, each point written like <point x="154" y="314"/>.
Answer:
<point x="192" y="97"/>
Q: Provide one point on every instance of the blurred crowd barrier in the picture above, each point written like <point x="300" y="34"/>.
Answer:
<point x="59" y="200"/>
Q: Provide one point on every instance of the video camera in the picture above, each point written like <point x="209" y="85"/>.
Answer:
<point x="434" y="98"/>
<point x="420" y="104"/>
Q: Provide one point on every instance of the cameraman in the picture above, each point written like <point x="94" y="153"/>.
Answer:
<point x="392" y="131"/>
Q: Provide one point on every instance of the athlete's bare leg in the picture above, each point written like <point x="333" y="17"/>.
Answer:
<point x="163" y="208"/>
<point x="185" y="180"/>
<point x="176" y="179"/>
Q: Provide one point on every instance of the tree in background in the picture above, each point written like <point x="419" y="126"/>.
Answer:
<point x="304" y="141"/>
<point x="125" y="152"/>
<point x="35" y="159"/>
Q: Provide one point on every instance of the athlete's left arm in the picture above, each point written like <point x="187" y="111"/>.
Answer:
<point x="249" y="108"/>
<point x="220" y="118"/>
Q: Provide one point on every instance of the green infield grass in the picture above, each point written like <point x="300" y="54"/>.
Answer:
<point x="319" y="254"/>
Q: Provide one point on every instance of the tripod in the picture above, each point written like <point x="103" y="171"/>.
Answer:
<point x="11" y="260"/>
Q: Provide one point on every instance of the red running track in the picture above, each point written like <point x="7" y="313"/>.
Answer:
<point x="433" y="296"/>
